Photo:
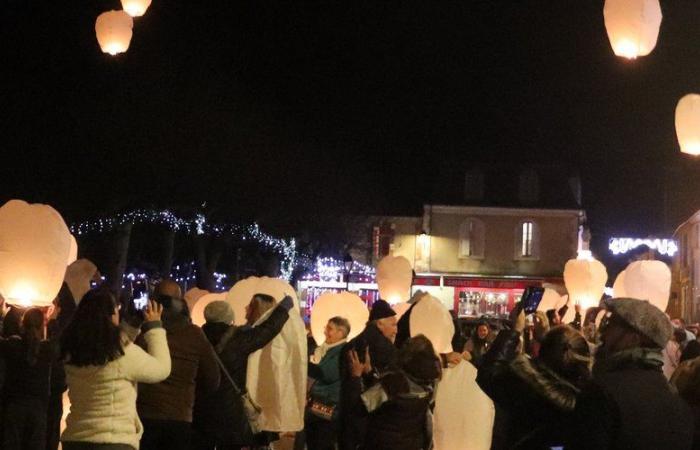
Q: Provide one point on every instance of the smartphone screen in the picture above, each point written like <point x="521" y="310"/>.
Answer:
<point x="140" y="297"/>
<point x="531" y="298"/>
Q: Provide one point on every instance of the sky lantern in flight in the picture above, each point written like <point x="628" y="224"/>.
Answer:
<point x="688" y="124"/>
<point x="585" y="280"/>
<point x="632" y="26"/>
<point x="135" y="8"/>
<point x="394" y="279"/>
<point x="34" y="248"/>
<point x="114" y="31"/>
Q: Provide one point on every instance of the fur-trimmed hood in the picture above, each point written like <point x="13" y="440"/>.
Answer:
<point x="547" y="384"/>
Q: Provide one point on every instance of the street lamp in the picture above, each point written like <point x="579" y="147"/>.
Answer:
<point x="347" y="263"/>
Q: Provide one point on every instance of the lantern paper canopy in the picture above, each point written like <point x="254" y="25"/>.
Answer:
<point x="34" y="249"/>
<point x="619" y="285"/>
<point x="430" y="318"/>
<point x="343" y="304"/>
<point x="688" y="124"/>
<point x="585" y="280"/>
<point x="242" y="292"/>
<point x="78" y="277"/>
<point x="197" y="312"/>
<point x="400" y="309"/>
<point x="114" y="31"/>
<point x="135" y="8"/>
<point x="73" y="254"/>
<point x="648" y="280"/>
<point x="632" y="26"/>
<point x="394" y="278"/>
<point x="550" y="300"/>
<point x="192" y="295"/>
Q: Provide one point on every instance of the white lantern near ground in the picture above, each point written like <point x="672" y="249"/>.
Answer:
<point x="688" y="124"/>
<point x="648" y="280"/>
<point x="550" y="300"/>
<point x="73" y="254"/>
<point x="193" y="295"/>
<point x="242" y="292"/>
<point x="585" y="280"/>
<point x="78" y="277"/>
<point x="114" y="31"/>
<point x="343" y="304"/>
<point x="394" y="279"/>
<point x="619" y="285"/>
<point x="34" y="249"/>
<point x="632" y="26"/>
<point x="400" y="309"/>
<point x="430" y="318"/>
<point x="135" y="8"/>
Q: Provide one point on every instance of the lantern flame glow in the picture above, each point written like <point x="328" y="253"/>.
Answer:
<point x="23" y="293"/>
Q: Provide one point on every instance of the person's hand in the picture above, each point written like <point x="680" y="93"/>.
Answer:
<point x="541" y="325"/>
<point x="368" y="362"/>
<point x="519" y="324"/>
<point x="4" y="309"/>
<point x="357" y="368"/>
<point x="152" y="312"/>
<point x="453" y="358"/>
<point x="466" y="356"/>
<point x="287" y="303"/>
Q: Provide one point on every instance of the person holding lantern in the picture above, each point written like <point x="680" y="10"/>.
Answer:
<point x="28" y="359"/>
<point x="102" y="368"/>
<point x="630" y="404"/>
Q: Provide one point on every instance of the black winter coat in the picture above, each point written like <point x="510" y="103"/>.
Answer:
<point x="220" y="415"/>
<point x="353" y="423"/>
<point x="533" y="404"/>
<point x="630" y="405"/>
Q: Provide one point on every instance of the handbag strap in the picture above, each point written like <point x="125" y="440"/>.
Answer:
<point x="236" y="389"/>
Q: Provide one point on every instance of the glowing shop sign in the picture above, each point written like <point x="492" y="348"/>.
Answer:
<point x="619" y="246"/>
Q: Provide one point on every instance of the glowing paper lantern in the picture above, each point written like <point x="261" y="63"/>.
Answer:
<point x="197" y="312"/>
<point x="632" y="26"/>
<point x="394" y="278"/>
<point x="34" y="248"/>
<point x="78" y="277"/>
<point x="343" y="304"/>
<point x="585" y="280"/>
<point x="193" y="295"/>
<point x="135" y="8"/>
<point x="550" y="300"/>
<point x="400" y="309"/>
<point x="619" y="285"/>
<point x="114" y="31"/>
<point x="240" y="294"/>
<point x="648" y="280"/>
<point x="688" y="124"/>
<point x="457" y="427"/>
<point x="431" y="319"/>
<point x="73" y="254"/>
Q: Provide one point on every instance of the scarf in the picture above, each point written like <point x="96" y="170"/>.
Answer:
<point x="634" y="358"/>
<point x="322" y="349"/>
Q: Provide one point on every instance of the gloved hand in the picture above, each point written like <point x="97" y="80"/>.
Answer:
<point x="287" y="303"/>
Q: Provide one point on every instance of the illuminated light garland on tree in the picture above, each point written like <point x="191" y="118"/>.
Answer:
<point x="286" y="249"/>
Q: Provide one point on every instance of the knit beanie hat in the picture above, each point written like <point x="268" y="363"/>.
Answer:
<point x="380" y="310"/>
<point x="218" y="311"/>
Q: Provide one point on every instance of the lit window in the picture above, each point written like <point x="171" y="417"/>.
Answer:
<point x="526" y="243"/>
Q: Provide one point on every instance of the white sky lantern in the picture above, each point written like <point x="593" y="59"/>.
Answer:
<point x="197" y="312"/>
<point x="632" y="26"/>
<point x="343" y="304"/>
<point x="78" y="277"/>
<point x="394" y="277"/>
<point x="34" y="249"/>
<point x="648" y="280"/>
<point x="193" y="295"/>
<point x="688" y="124"/>
<point x="114" y="31"/>
<point x="585" y="280"/>
<point x="240" y="294"/>
<point x="430" y="318"/>
<point x="73" y="254"/>
<point x="619" y="285"/>
<point x="135" y="8"/>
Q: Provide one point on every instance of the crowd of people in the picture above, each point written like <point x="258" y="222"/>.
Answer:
<point x="154" y="380"/>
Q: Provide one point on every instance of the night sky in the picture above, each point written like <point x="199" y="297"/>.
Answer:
<point x="277" y="109"/>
